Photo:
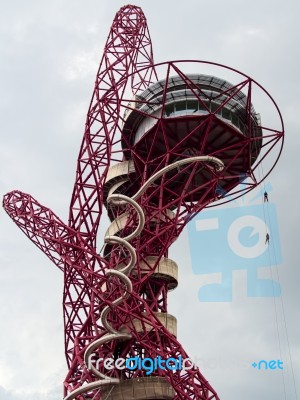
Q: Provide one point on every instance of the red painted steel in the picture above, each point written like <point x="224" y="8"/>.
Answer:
<point x="126" y="70"/>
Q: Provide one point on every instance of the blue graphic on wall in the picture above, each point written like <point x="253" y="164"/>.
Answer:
<point x="244" y="236"/>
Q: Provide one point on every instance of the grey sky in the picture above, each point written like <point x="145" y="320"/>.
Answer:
<point x="49" y="54"/>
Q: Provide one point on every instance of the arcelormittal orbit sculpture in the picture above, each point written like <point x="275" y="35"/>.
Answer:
<point x="160" y="144"/>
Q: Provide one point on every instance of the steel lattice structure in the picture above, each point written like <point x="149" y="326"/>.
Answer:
<point x="159" y="145"/>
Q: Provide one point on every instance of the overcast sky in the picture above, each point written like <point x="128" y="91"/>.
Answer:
<point x="49" y="54"/>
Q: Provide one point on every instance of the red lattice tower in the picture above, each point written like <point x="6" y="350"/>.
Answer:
<point x="159" y="145"/>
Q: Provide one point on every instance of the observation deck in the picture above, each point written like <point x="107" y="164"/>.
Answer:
<point x="192" y="115"/>
<point x="199" y="96"/>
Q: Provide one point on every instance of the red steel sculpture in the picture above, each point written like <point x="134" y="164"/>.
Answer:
<point x="159" y="145"/>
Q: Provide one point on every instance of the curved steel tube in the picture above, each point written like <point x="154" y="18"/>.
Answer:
<point x="122" y="274"/>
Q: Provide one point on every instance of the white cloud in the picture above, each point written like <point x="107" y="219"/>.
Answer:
<point x="82" y="65"/>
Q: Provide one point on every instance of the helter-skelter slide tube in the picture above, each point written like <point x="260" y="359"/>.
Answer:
<point x="123" y="273"/>
<point x="184" y="141"/>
